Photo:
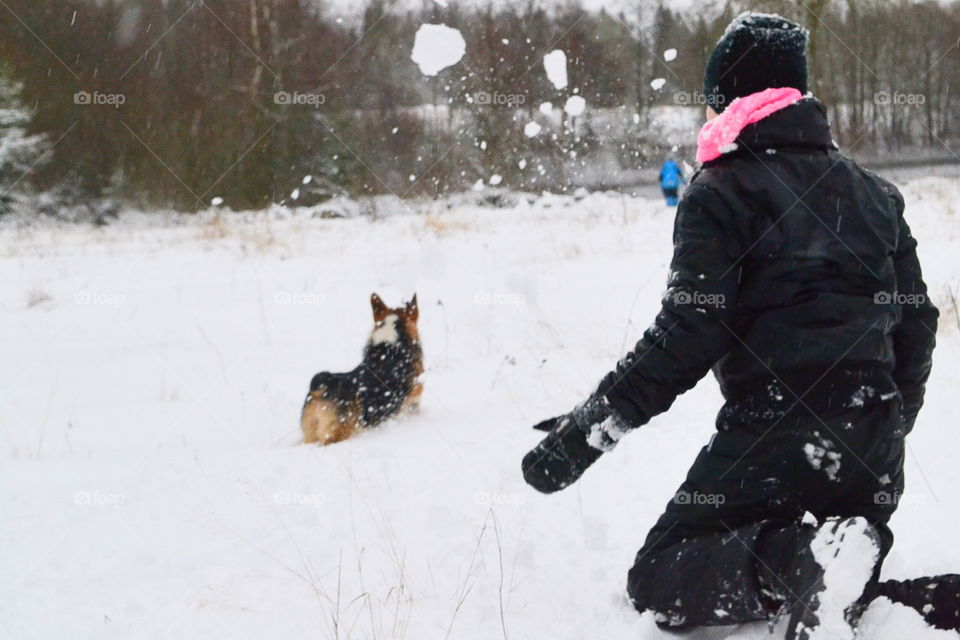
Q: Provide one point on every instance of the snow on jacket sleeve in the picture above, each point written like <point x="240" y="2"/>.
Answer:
<point x="691" y="331"/>
<point x="915" y="336"/>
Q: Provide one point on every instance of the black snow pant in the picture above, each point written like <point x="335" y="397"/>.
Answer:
<point x="726" y="548"/>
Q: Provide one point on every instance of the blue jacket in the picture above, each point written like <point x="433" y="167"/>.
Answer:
<point x="671" y="176"/>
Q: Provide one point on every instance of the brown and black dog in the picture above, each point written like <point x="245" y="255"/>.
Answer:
<point x="386" y="383"/>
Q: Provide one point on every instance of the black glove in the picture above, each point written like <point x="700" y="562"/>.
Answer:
<point x="575" y="442"/>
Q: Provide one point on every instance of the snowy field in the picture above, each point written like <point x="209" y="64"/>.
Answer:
<point x="150" y="478"/>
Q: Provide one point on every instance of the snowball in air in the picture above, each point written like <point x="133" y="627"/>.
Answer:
<point x="437" y="47"/>
<point x="531" y="129"/>
<point x="575" y="105"/>
<point x="658" y="83"/>
<point x="555" y="63"/>
<point x="670" y="55"/>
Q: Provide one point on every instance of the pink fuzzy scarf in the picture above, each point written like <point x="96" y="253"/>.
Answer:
<point x="719" y="135"/>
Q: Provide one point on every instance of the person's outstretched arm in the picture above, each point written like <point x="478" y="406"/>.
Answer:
<point x="692" y="330"/>
<point x="916" y="335"/>
<point x="689" y="335"/>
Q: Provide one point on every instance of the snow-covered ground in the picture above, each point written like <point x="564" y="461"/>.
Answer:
<point x="150" y="479"/>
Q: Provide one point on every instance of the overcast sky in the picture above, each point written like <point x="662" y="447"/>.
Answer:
<point x="611" y="5"/>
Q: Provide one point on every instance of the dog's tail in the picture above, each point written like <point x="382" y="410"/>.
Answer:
<point x="334" y="386"/>
<point x="331" y="411"/>
<point x="317" y="383"/>
<point x="322" y="379"/>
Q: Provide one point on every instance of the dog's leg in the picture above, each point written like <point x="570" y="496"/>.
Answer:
<point x="412" y="403"/>
<point x="345" y="424"/>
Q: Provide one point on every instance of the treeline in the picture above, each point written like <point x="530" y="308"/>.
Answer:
<point x="259" y="101"/>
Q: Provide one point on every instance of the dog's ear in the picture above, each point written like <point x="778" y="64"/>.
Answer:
<point x="380" y="310"/>
<point x="412" y="310"/>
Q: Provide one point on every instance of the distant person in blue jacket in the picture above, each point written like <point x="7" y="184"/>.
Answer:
<point x="671" y="177"/>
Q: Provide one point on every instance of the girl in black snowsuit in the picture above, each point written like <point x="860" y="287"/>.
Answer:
<point x="795" y="278"/>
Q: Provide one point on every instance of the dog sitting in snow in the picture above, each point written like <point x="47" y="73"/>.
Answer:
<point x="385" y="384"/>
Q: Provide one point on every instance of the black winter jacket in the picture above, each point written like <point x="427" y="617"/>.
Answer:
<point x="794" y="276"/>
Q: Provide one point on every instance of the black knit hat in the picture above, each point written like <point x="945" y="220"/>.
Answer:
<point x="758" y="51"/>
